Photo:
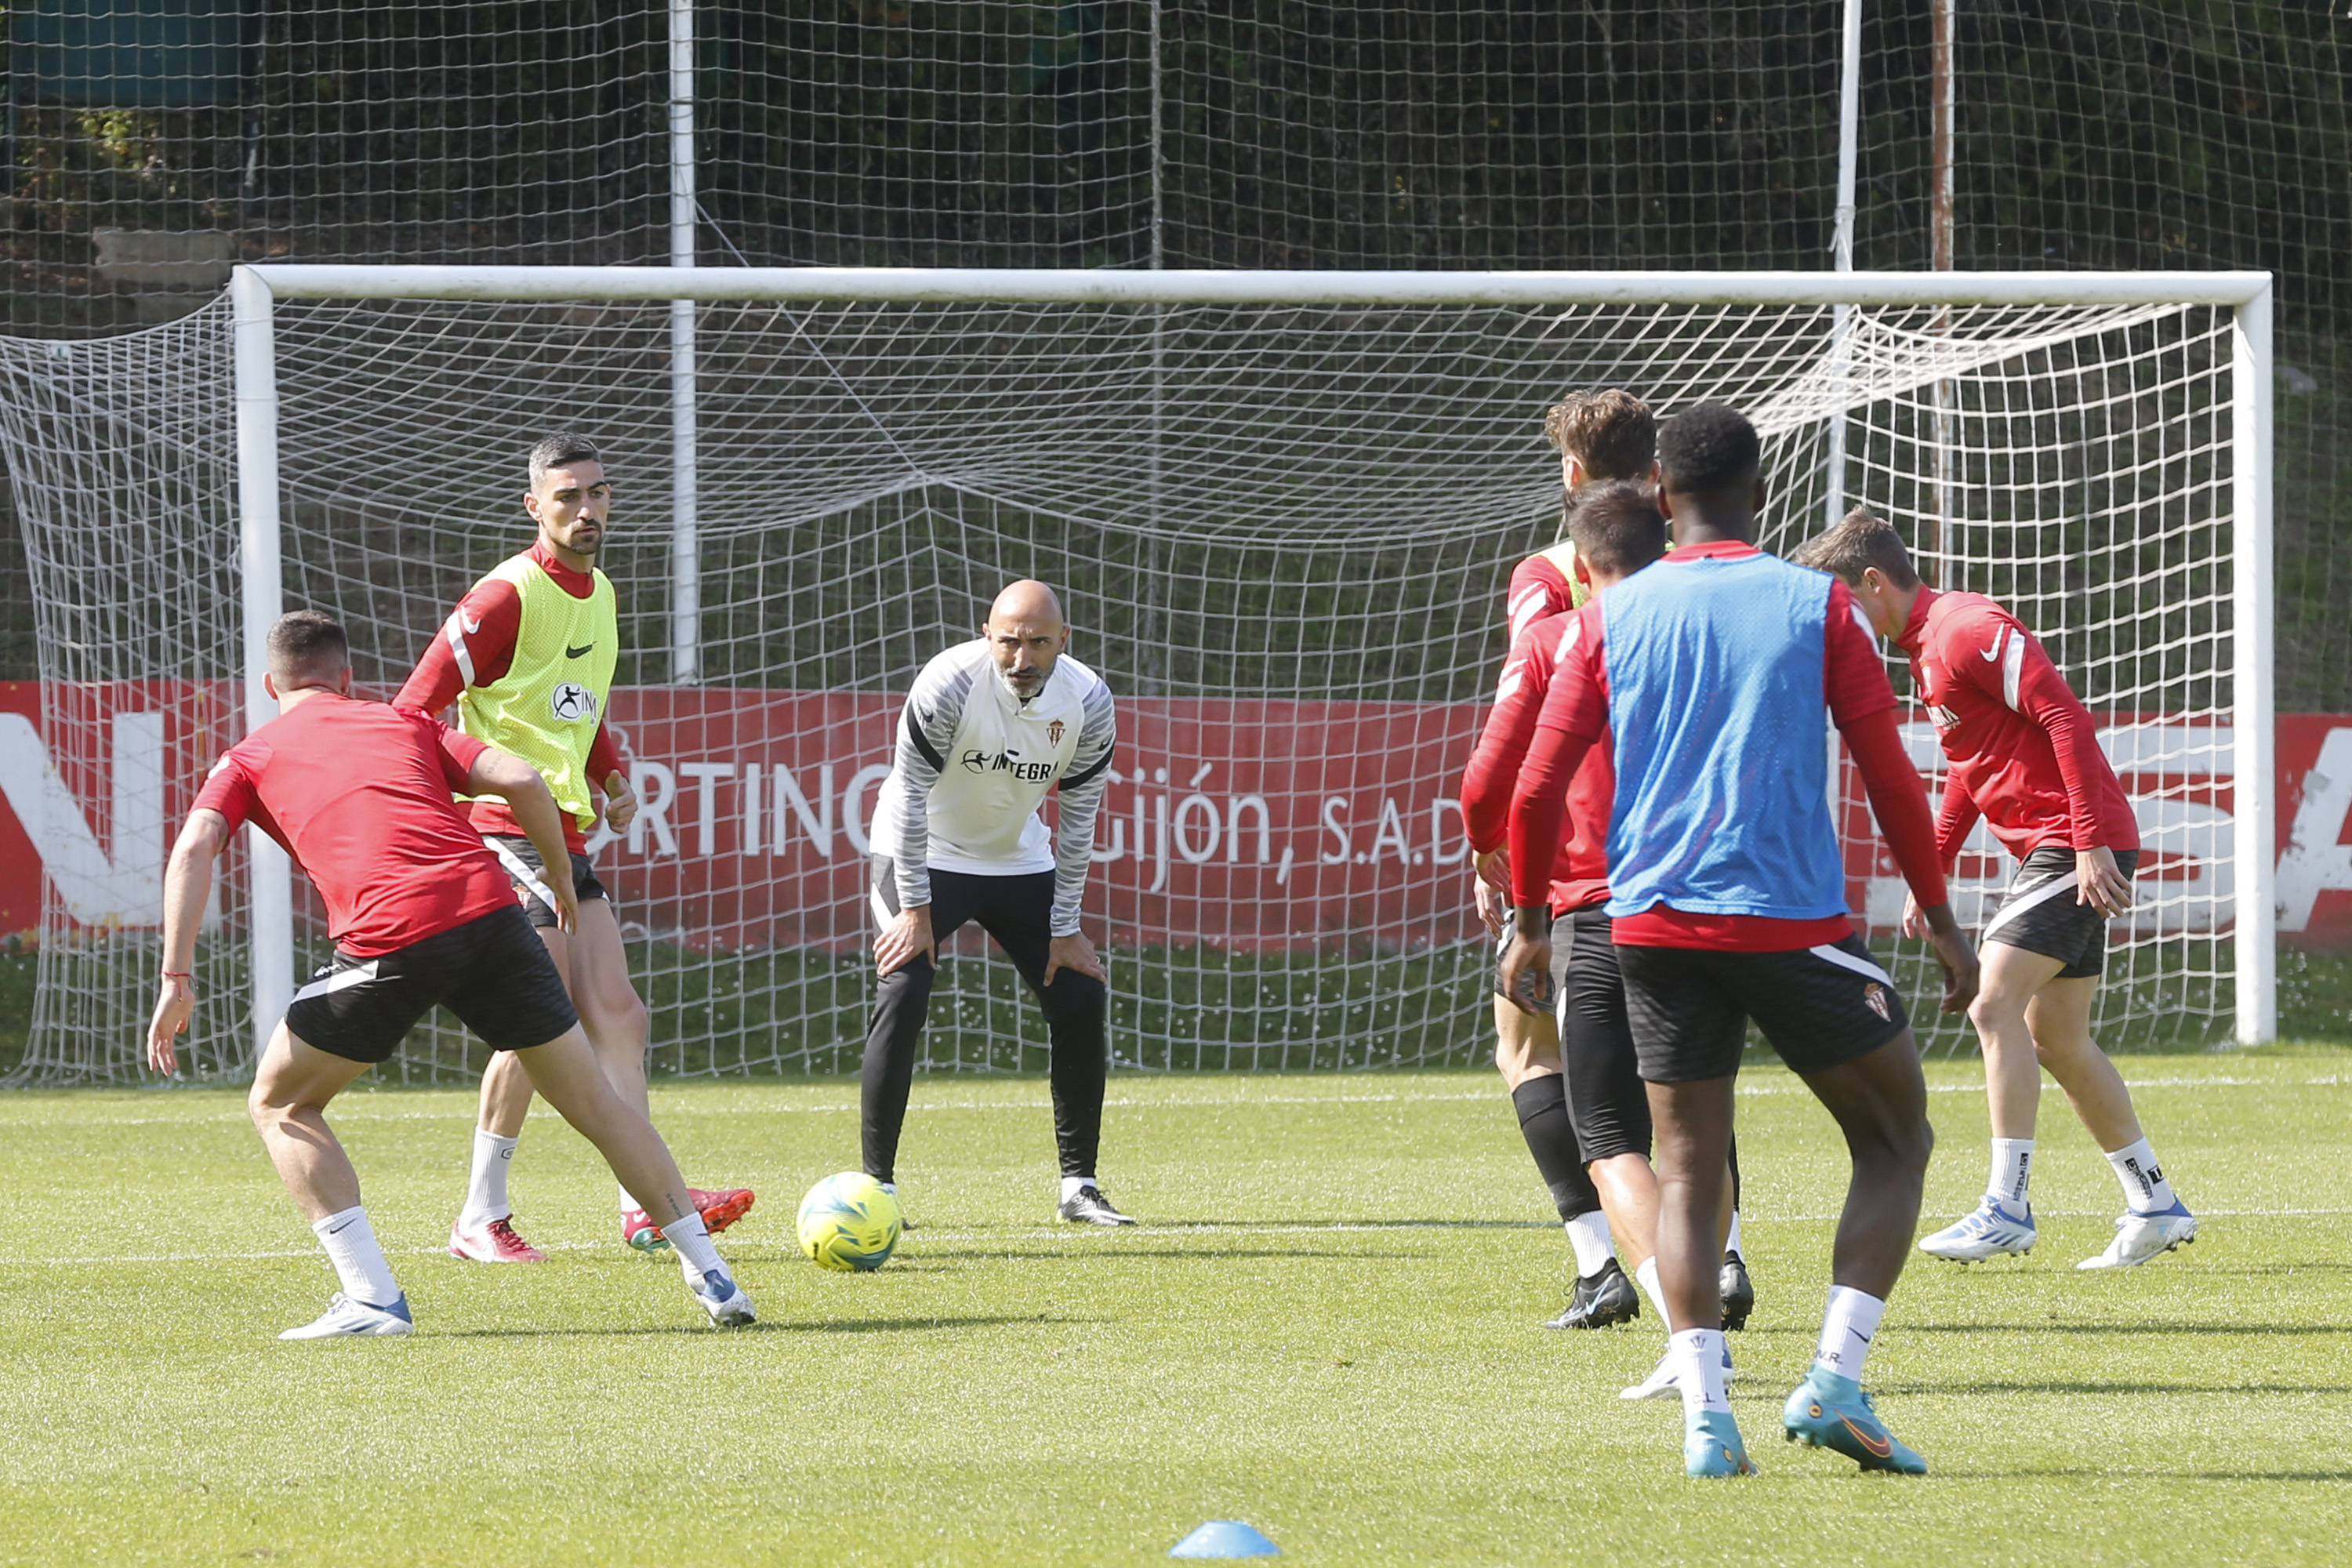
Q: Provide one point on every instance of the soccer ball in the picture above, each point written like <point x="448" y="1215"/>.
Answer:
<point x="849" y="1221"/>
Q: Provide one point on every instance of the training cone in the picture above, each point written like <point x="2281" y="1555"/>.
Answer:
<point x="1225" y="1537"/>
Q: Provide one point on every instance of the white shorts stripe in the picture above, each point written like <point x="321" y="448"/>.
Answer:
<point x="1845" y="960"/>
<point x="522" y="873"/>
<point x="340" y="980"/>
<point x="2033" y="898"/>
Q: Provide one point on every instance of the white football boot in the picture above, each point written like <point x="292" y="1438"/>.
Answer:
<point x="1989" y="1230"/>
<point x="2140" y="1236"/>
<point x="725" y="1300"/>
<point x="345" y="1318"/>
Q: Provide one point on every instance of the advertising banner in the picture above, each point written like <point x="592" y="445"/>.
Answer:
<point x="1253" y="825"/>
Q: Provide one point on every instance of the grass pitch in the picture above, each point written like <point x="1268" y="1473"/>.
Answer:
<point x="1327" y="1327"/>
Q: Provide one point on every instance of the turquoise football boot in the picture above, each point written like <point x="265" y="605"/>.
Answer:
<point x="1712" y="1449"/>
<point x="1829" y="1410"/>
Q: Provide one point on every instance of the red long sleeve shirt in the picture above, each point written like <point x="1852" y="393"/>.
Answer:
<point x="1543" y="585"/>
<point x="478" y="650"/>
<point x="1579" y="871"/>
<point x="2024" y="752"/>
<point x="1575" y="717"/>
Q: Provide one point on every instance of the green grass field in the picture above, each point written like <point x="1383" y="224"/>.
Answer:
<point x="1327" y="1327"/>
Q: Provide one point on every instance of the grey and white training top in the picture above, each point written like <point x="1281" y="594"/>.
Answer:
<point x="972" y="768"/>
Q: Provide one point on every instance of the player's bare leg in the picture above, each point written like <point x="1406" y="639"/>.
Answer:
<point x="595" y="971"/>
<point x="483" y="1229"/>
<point x="292" y="1083"/>
<point x="2059" y="1018"/>
<point x="567" y="1073"/>
<point x="1629" y="1196"/>
<point x="291" y="1086"/>
<point x="1526" y="1045"/>
<point x="2028" y="1018"/>
<point x="2154" y="1220"/>
<point x="1880" y="1101"/>
<point x="1693" y="1123"/>
<point x="2010" y="978"/>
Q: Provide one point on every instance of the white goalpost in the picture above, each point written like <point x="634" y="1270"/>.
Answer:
<point x="1283" y="503"/>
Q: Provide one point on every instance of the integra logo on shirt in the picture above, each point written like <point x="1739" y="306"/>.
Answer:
<point x="572" y="702"/>
<point x="1005" y="761"/>
<point x="1945" y="718"/>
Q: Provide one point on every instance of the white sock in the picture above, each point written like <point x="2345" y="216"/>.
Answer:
<point x="1648" y="1274"/>
<point x="1697" y="1355"/>
<point x="1848" y="1326"/>
<point x="2013" y="1172"/>
<point x="630" y="1204"/>
<point x="2144" y="1188"/>
<point x="1589" y="1234"/>
<point x="1071" y="1187"/>
<point x="696" y="1256"/>
<point x="486" y="1192"/>
<point x="359" y="1262"/>
<point x="1731" y="1241"/>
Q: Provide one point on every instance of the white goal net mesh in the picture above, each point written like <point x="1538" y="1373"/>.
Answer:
<point x="1282" y="533"/>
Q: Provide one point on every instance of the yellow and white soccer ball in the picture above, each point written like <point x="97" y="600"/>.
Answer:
<point x="849" y="1221"/>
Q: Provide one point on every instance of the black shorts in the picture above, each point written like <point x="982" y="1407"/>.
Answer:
<point x="1606" y="1102"/>
<point x="493" y="972"/>
<point x="520" y="857"/>
<point x="1820" y="1007"/>
<point x="2039" y="913"/>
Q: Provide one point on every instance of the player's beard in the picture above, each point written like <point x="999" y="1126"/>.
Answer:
<point x="1012" y="683"/>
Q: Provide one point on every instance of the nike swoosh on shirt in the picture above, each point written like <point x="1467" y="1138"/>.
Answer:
<point x="473" y="628"/>
<point x="1992" y="653"/>
<point x="570" y="652"/>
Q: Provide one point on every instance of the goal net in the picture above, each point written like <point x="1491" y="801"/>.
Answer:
<point x="1281" y="529"/>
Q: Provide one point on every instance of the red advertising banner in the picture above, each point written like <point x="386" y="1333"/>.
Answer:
<point x="1252" y="824"/>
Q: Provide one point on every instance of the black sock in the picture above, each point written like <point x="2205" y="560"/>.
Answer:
<point x="1542" y="1105"/>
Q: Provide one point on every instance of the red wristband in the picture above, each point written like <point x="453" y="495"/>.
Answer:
<point x="171" y="975"/>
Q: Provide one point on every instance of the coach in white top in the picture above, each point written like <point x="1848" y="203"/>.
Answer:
<point x="990" y="727"/>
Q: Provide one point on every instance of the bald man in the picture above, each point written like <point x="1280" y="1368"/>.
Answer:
<point x="990" y="727"/>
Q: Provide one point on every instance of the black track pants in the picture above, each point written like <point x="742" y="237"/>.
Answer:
<point x="1018" y="913"/>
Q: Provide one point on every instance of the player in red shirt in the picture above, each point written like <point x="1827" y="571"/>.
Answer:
<point x="1603" y="436"/>
<point x="1713" y="674"/>
<point x="1600" y="436"/>
<point x="1617" y="531"/>
<point x="420" y="914"/>
<point x="1608" y="434"/>
<point x="523" y="678"/>
<point x="2022" y="752"/>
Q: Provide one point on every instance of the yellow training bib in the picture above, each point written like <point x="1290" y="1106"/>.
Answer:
<point x="546" y="707"/>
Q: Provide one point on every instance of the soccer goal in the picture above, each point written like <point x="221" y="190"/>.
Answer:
<point x="1282" y="508"/>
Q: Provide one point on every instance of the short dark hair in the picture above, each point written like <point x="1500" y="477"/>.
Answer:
<point x="1861" y="539"/>
<point x="561" y="450"/>
<point x="1710" y="449"/>
<point x="1609" y="431"/>
<point x="1616" y="527"/>
<point x="307" y="645"/>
